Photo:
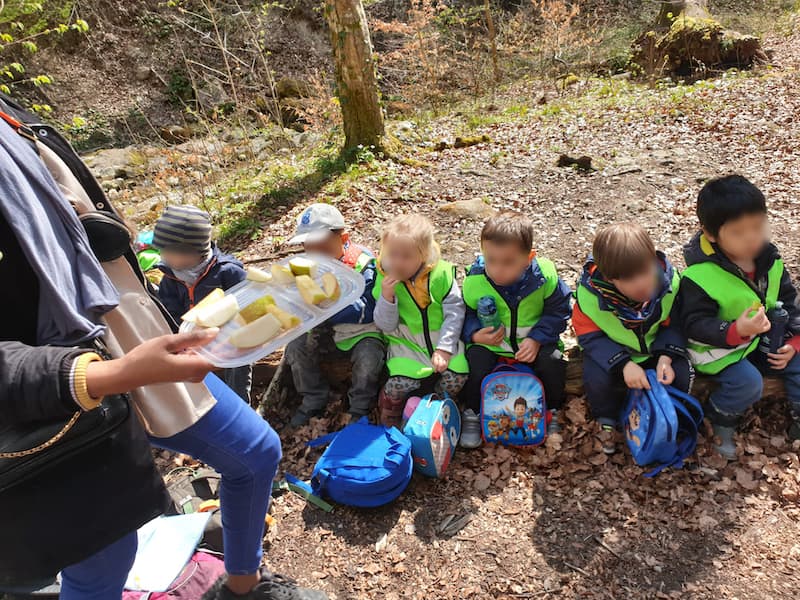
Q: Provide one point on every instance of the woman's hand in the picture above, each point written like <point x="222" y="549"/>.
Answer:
<point x="163" y="359"/>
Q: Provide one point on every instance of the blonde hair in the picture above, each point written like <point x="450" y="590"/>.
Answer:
<point x="419" y="230"/>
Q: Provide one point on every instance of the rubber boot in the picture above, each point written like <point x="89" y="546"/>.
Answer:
<point x="391" y="410"/>
<point x="794" y="426"/>
<point x="724" y="428"/>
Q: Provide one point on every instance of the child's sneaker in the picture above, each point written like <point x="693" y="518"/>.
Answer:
<point x="470" y="430"/>
<point x="271" y="587"/>
<point x="609" y="436"/>
<point x="301" y="418"/>
<point x="553" y="426"/>
<point x="727" y="445"/>
<point x="794" y="428"/>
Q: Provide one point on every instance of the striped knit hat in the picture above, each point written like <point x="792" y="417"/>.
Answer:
<point x="183" y="229"/>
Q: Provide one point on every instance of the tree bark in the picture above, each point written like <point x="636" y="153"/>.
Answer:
<point x="356" y="83"/>
<point x="690" y="8"/>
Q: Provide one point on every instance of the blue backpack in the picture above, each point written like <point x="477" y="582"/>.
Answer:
<point x="364" y="465"/>
<point x="661" y="425"/>
<point x="513" y="407"/>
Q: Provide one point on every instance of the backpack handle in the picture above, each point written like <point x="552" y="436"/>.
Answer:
<point x="515" y="367"/>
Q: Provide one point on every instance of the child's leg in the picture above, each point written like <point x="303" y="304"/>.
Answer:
<point x="740" y="386"/>
<point x="451" y="383"/>
<point x="791" y="378"/>
<point x="310" y="383"/>
<point x="368" y="357"/>
<point x="240" y="380"/>
<point x="551" y="368"/>
<point x="481" y="362"/>
<point x="605" y="392"/>
<point x="393" y="398"/>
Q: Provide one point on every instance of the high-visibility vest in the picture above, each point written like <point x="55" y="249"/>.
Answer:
<point x="638" y="343"/>
<point x="347" y="335"/>
<point x="518" y="321"/>
<point x="734" y="295"/>
<point x="413" y="343"/>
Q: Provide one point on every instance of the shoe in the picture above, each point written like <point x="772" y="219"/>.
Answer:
<point x="271" y="587"/>
<point x="794" y="427"/>
<point x="553" y="426"/>
<point x="301" y="418"/>
<point x="727" y="445"/>
<point x="608" y="438"/>
<point x="391" y="410"/>
<point x="470" y="430"/>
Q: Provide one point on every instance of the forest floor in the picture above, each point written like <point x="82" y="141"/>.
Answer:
<point x="565" y="521"/>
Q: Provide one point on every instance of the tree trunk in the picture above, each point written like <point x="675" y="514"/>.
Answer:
<point x="356" y="84"/>
<point x="690" y="8"/>
<point x="686" y="40"/>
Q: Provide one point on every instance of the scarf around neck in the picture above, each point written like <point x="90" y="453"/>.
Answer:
<point x="74" y="291"/>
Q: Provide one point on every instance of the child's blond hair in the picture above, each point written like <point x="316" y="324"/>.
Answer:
<point x="419" y="230"/>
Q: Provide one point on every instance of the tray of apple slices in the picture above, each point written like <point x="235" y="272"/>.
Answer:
<point x="273" y="307"/>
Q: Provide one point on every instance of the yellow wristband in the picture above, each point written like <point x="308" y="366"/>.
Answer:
<point x="79" y="388"/>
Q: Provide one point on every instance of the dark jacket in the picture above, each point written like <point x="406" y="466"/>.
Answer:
<point x="89" y="498"/>
<point x="224" y="271"/>
<point x="554" y="318"/>
<point x="698" y="311"/>
<point x="614" y="356"/>
<point x="360" y="311"/>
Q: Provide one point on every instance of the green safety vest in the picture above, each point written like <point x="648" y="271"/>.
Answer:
<point x="347" y="335"/>
<point x="733" y="295"/>
<point x="638" y="344"/>
<point x="517" y="321"/>
<point x="413" y="343"/>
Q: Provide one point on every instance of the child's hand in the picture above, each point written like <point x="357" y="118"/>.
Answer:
<point x="440" y="360"/>
<point x="664" y="370"/>
<point x="748" y="326"/>
<point x="635" y="377"/>
<point x="489" y="336"/>
<point x="387" y="288"/>
<point x="781" y="358"/>
<point x="528" y="350"/>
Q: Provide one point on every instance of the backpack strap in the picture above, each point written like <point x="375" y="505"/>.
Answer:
<point x="322" y="440"/>
<point x="302" y="488"/>
<point x="512" y="367"/>
<point x="686" y="442"/>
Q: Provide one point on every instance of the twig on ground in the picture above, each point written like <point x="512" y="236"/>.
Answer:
<point x="606" y="546"/>
<point x="578" y="569"/>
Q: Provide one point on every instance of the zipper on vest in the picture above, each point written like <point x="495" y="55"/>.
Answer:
<point x="513" y="334"/>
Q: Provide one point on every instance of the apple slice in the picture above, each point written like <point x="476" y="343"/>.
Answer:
<point x="303" y="266"/>
<point x="309" y="290"/>
<point x="213" y="296"/>
<point x="257" y="275"/>
<point x="282" y="275"/>
<point x="330" y="285"/>
<point x="218" y="313"/>
<point x="257" y="333"/>
<point x="287" y="319"/>
<point x="256" y="309"/>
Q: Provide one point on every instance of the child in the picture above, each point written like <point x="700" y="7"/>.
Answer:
<point x="192" y="268"/>
<point x="533" y="305"/>
<point x="624" y="321"/>
<point x="734" y="276"/>
<point x="321" y="229"/>
<point x="419" y="308"/>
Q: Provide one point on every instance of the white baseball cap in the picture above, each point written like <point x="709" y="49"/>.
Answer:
<point x="316" y="222"/>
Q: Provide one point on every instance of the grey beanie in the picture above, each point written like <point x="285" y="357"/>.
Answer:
<point x="184" y="229"/>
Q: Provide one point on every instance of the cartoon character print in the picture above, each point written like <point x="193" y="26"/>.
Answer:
<point x="534" y="418"/>
<point x="633" y="424"/>
<point x="504" y="430"/>
<point x="520" y="410"/>
<point x="500" y="392"/>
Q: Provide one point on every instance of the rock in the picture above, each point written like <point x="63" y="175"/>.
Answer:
<point x="289" y="87"/>
<point x="142" y="73"/>
<point x="211" y="95"/>
<point x="394" y="108"/>
<point x="113" y="163"/>
<point x="582" y="163"/>
<point x="468" y="209"/>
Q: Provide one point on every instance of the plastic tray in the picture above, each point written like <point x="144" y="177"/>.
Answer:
<point x="222" y="354"/>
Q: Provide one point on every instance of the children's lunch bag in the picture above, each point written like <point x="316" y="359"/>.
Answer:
<point x="364" y="465"/>
<point x="513" y="407"/>
<point x="661" y="425"/>
<point x="433" y="429"/>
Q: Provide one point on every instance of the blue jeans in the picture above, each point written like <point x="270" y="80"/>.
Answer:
<point x="246" y="451"/>
<point x="742" y="383"/>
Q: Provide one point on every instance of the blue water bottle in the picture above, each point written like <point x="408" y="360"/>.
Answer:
<point x="772" y="340"/>
<point x="487" y="313"/>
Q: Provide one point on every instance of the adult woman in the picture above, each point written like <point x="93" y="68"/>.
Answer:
<point x="64" y="310"/>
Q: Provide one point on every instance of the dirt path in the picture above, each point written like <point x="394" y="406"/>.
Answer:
<point x="564" y="521"/>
